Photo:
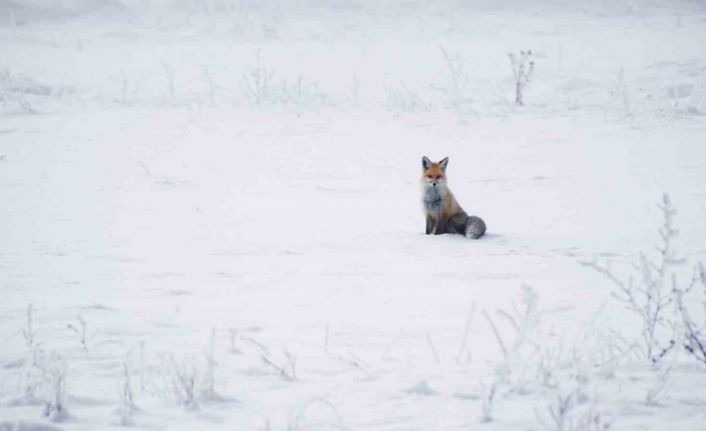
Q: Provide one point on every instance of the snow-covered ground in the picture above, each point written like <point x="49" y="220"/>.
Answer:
<point x="223" y="197"/>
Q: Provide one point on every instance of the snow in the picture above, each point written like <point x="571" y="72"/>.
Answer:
<point x="146" y="192"/>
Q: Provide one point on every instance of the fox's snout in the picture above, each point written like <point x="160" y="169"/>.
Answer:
<point x="434" y="181"/>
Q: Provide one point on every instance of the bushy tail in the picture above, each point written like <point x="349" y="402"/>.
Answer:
<point x="475" y="227"/>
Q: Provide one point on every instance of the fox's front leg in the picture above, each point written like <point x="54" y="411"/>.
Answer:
<point x="440" y="227"/>
<point x="430" y="224"/>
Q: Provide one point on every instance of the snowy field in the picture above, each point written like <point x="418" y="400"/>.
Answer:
<point x="211" y="216"/>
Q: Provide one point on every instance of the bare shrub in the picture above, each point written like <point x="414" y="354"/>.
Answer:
<point x="169" y="74"/>
<point x="694" y="327"/>
<point x="54" y="369"/>
<point x="524" y="321"/>
<point x="650" y="297"/>
<point x="620" y="94"/>
<point x="188" y="380"/>
<point x="571" y="410"/>
<point x="129" y="89"/>
<point x="208" y="383"/>
<point x="303" y="92"/>
<point x="558" y="411"/>
<point x="463" y="349"/>
<point x="488" y="396"/>
<point x="522" y="69"/>
<point x="603" y="348"/>
<point x="403" y="100"/>
<point x="658" y="300"/>
<point x="510" y="372"/>
<point x="81" y="332"/>
<point x="682" y="98"/>
<point x="454" y="87"/>
<point x="262" y="89"/>
<point x="30" y="379"/>
<point x="286" y="368"/>
<point x="184" y="378"/>
<point x="551" y="358"/>
<point x="233" y="341"/>
<point x="659" y="387"/>
<point x="212" y="87"/>
<point x="127" y="407"/>
<point x="16" y="91"/>
<point x="258" y="83"/>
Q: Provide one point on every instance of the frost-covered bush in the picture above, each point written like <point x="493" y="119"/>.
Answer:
<point x="454" y="85"/>
<point x="15" y="92"/>
<point x="183" y="379"/>
<point x="686" y="98"/>
<point x="522" y="69"/>
<point x="520" y="346"/>
<point x="536" y="361"/>
<point x="571" y="409"/>
<point x="691" y="306"/>
<point x="23" y="93"/>
<point x="55" y="370"/>
<point x="404" y="100"/>
<point x="30" y="378"/>
<point x="262" y="87"/>
<point x="127" y="406"/>
<point x="654" y="294"/>
<point x="188" y="380"/>
<point x="620" y="96"/>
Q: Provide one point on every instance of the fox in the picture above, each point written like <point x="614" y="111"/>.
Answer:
<point x="443" y="213"/>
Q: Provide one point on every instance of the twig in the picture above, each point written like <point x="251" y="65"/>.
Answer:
<point x="497" y="333"/>
<point x="433" y="349"/>
<point x="147" y="171"/>
<point x="466" y="331"/>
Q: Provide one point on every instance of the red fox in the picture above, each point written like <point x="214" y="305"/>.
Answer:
<point x="444" y="214"/>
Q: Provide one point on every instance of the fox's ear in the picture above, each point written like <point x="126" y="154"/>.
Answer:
<point x="444" y="163"/>
<point x="425" y="162"/>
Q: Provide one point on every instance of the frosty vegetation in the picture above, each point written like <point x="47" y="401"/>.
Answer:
<point x="654" y="294"/>
<point x="558" y="377"/>
<point x="522" y="69"/>
<point x="266" y="77"/>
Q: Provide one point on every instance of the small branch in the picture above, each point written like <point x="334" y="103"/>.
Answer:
<point x="433" y="349"/>
<point x="466" y="331"/>
<point x="356" y="363"/>
<point x="281" y="370"/>
<point x="497" y="333"/>
<point x="147" y="171"/>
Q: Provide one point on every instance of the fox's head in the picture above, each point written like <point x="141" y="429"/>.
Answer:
<point x="434" y="174"/>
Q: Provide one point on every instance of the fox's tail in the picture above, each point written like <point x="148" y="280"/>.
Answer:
<point x="475" y="227"/>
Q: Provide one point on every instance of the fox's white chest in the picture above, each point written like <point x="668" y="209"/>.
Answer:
<point x="433" y="201"/>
